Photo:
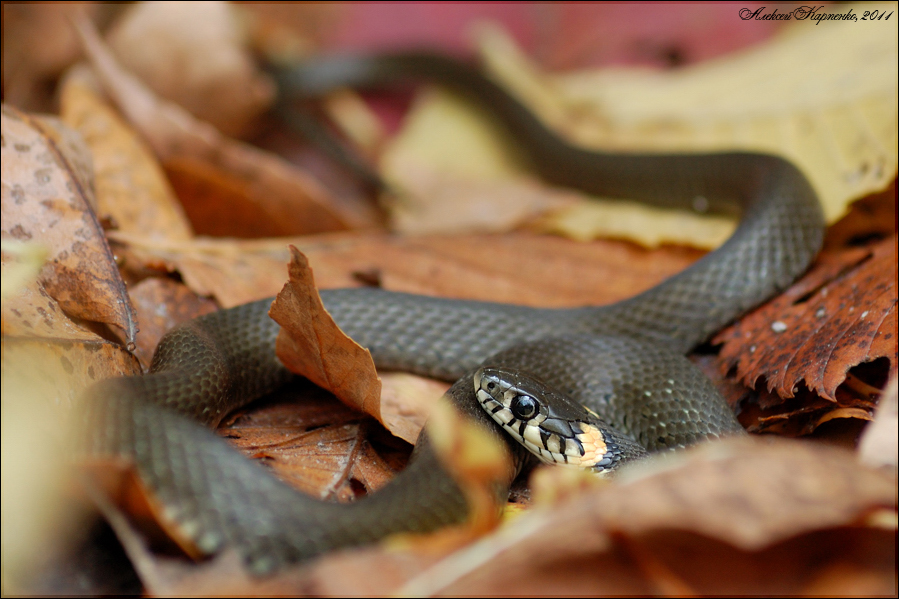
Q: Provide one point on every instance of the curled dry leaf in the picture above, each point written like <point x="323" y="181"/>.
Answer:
<point x="47" y="199"/>
<point x="841" y="314"/>
<point x="312" y="345"/>
<point x="193" y="54"/>
<point x="291" y="201"/>
<point x="132" y="189"/>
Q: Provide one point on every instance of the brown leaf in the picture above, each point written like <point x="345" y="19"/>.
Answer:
<point x="38" y="44"/>
<point x="233" y="272"/>
<point x="311" y="344"/>
<point x="316" y="445"/>
<point x="48" y="360"/>
<point x="131" y="187"/>
<point x="484" y="267"/>
<point x="743" y="516"/>
<point x="215" y="79"/>
<point x="841" y="314"/>
<point x="220" y="203"/>
<point x="160" y="304"/>
<point x="407" y="401"/>
<point x="291" y="199"/>
<point x="46" y="199"/>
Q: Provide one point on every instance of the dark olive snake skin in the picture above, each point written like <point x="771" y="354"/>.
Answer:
<point x="624" y="361"/>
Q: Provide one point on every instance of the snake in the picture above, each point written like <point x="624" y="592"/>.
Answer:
<point x="623" y="363"/>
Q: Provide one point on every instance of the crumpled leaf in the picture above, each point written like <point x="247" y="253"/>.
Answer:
<point x="312" y="345"/>
<point x="132" y="189"/>
<point x="47" y="197"/>
<point x="291" y="201"/>
<point x="841" y="314"/>
<point x="215" y="79"/>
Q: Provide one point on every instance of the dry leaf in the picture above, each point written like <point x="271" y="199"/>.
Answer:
<point x="559" y="272"/>
<point x="131" y="187"/>
<point x="316" y="445"/>
<point x="38" y="45"/>
<point x="233" y="272"/>
<point x="47" y="199"/>
<point x="292" y="201"/>
<point x="312" y="345"/>
<point x="47" y="361"/>
<point x="407" y="401"/>
<point x="841" y="314"/>
<point x="193" y="54"/>
<point x="477" y="461"/>
<point x="160" y="304"/>
<point x="740" y="517"/>
<point x="877" y="447"/>
<point x="220" y="203"/>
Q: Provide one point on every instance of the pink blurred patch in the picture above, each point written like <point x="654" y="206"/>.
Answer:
<point x="559" y="36"/>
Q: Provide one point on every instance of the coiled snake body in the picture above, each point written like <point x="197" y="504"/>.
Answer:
<point x="624" y="360"/>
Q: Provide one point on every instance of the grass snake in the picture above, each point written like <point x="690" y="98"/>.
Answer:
<point x="625" y="360"/>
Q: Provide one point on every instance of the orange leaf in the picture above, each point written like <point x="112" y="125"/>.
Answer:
<point x="311" y="344"/>
<point x="290" y="198"/>
<point x="841" y="314"/>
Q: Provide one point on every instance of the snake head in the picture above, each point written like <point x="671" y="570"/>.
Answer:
<point x="550" y="424"/>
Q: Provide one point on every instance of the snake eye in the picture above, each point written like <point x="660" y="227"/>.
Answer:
<point x="524" y="407"/>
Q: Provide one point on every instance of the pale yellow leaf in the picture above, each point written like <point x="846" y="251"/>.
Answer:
<point x="823" y="95"/>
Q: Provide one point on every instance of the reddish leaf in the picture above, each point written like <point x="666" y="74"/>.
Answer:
<point x="317" y="445"/>
<point x="312" y="345"/>
<point x="161" y="304"/>
<point x="841" y="314"/>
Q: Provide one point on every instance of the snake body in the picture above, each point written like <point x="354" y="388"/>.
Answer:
<point x="623" y="360"/>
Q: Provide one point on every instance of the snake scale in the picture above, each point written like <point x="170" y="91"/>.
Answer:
<point x="624" y="360"/>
